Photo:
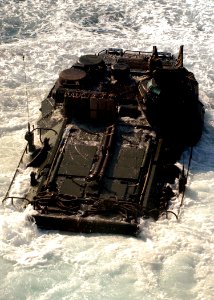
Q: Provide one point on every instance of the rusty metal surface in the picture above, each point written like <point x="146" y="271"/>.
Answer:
<point x="72" y="74"/>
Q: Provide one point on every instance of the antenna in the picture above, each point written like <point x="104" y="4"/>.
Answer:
<point x="26" y="92"/>
<point x="29" y="136"/>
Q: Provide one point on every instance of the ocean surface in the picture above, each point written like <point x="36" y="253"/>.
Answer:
<point x="169" y="259"/>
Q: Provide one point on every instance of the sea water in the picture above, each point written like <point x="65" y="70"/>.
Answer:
<point x="170" y="259"/>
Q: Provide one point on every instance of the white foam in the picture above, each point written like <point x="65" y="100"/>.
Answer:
<point x="170" y="259"/>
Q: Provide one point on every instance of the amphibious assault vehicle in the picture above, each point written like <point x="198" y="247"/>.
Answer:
<point x="103" y="154"/>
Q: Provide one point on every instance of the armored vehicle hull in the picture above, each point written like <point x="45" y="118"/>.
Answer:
<point x="111" y="130"/>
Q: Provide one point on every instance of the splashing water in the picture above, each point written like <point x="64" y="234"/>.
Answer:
<point x="169" y="259"/>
